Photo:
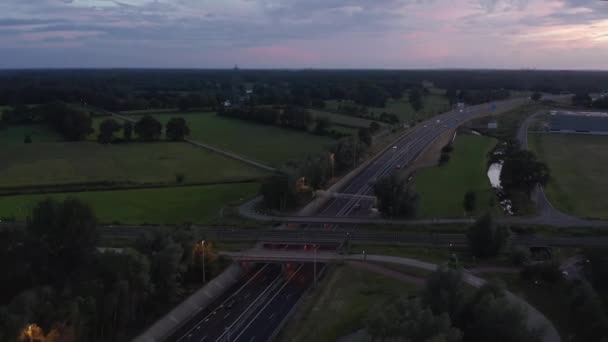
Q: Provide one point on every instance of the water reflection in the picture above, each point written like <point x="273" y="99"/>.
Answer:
<point x="494" y="174"/>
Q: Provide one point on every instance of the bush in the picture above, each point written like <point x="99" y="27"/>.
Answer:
<point x="547" y="271"/>
<point x="519" y="255"/>
<point x="486" y="239"/>
<point x="447" y="148"/>
<point x="444" y="158"/>
<point x="179" y="178"/>
<point x="27" y="139"/>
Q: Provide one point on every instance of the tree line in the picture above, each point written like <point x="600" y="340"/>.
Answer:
<point x="145" y="89"/>
<point x="448" y="310"/>
<point x="60" y="285"/>
<point x="295" y="183"/>
<point x="147" y="129"/>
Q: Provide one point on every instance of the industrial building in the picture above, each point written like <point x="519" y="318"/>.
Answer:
<point x="579" y="122"/>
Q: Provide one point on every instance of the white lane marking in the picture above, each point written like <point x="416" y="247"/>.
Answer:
<point x="268" y="303"/>
<point x="206" y="318"/>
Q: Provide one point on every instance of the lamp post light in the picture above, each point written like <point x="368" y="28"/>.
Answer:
<point x="204" y="273"/>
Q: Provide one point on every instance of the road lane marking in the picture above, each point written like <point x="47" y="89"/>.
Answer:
<point x="206" y="318"/>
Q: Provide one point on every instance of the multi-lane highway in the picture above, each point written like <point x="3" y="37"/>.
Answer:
<point x="253" y="308"/>
<point x="405" y="151"/>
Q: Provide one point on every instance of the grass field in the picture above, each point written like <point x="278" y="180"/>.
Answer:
<point x="508" y="121"/>
<point x="579" y="172"/>
<point x="442" y="188"/>
<point x="269" y="144"/>
<point x="341" y="120"/>
<point x="60" y="163"/>
<point x="434" y="103"/>
<point x="340" y="304"/>
<point x="14" y="134"/>
<point x="197" y="204"/>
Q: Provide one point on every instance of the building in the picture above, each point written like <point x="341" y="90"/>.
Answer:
<point x="579" y="122"/>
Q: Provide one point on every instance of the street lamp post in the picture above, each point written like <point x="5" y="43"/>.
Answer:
<point x="204" y="273"/>
<point x="315" y="266"/>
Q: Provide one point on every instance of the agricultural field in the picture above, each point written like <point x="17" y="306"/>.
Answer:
<point x="80" y="162"/>
<point x="339" y="307"/>
<point x="442" y="188"/>
<point x="342" y="120"/>
<point x="269" y="144"/>
<point x="15" y="134"/>
<point x="579" y="165"/>
<point x="434" y="103"/>
<point x="197" y="204"/>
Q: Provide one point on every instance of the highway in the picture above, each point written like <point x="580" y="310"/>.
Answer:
<point x="253" y="308"/>
<point x="405" y="151"/>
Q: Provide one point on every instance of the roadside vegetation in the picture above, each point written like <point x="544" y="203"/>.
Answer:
<point x="59" y="286"/>
<point x="579" y="166"/>
<point x="340" y="304"/>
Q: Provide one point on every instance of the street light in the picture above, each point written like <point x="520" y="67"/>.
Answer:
<point x="315" y="266"/>
<point x="204" y="271"/>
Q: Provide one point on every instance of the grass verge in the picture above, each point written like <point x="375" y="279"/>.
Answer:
<point x="340" y="304"/>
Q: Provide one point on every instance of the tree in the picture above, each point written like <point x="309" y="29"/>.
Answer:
<point x="589" y="319"/>
<point x="127" y="130"/>
<point x="582" y="99"/>
<point x="490" y="316"/>
<point x="278" y="192"/>
<point x="148" y="128"/>
<point x="452" y="96"/>
<point x="415" y="97"/>
<point x="65" y="232"/>
<point x="407" y="319"/>
<point x="177" y="129"/>
<point x="27" y="139"/>
<point x="522" y="171"/>
<point x="445" y="291"/>
<point x="107" y="128"/>
<point x="485" y="238"/>
<point x="365" y="136"/>
<point x="374" y="127"/>
<point x="395" y="198"/>
<point x="165" y="272"/>
<point x="73" y="124"/>
<point x="536" y="96"/>
<point x="323" y="125"/>
<point x="469" y="201"/>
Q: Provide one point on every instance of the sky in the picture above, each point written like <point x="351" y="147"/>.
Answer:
<point x="392" y="34"/>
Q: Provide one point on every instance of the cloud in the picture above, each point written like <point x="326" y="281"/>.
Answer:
<point x="321" y="33"/>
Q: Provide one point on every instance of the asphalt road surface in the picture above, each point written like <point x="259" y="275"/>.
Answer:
<point x="254" y="308"/>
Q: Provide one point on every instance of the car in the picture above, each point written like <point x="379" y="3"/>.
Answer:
<point x="398" y="166"/>
<point x="357" y="206"/>
<point x="395" y="147"/>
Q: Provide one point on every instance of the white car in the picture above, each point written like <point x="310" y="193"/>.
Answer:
<point x="395" y="147"/>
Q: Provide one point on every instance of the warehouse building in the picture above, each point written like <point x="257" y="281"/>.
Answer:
<point x="579" y="122"/>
